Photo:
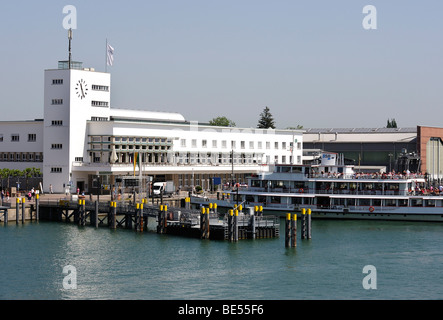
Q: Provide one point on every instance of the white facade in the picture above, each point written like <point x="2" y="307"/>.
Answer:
<point x="71" y="98"/>
<point x="82" y="137"/>
<point x="21" y="144"/>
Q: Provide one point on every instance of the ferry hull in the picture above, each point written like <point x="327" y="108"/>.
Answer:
<point x="397" y="214"/>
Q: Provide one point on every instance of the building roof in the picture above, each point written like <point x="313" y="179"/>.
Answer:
<point x="361" y="130"/>
<point x="126" y="114"/>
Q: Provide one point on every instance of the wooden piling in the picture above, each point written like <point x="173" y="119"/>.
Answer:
<point x="294" y="231"/>
<point x="203" y="223"/>
<point x="235" y="225"/>
<point x="253" y="225"/>
<point x="113" y="215"/>
<point x="303" y="223"/>
<point x="23" y="210"/>
<point x="17" y="210"/>
<point x="141" y="217"/>
<point x="37" y="207"/>
<point x="288" y="230"/>
<point x="5" y="216"/>
<point x="161" y="226"/>
<point x="96" y="214"/>
<point x="308" y="224"/>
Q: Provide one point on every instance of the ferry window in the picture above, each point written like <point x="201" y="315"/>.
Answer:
<point x="390" y="202"/>
<point x="262" y="199"/>
<point x="276" y="145"/>
<point x="259" y="144"/>
<point x="376" y="202"/>
<point x="417" y="202"/>
<point x="285" y="169"/>
<point x="430" y="203"/>
<point x="403" y="202"/>
<point x="268" y="145"/>
<point x="283" y="145"/>
<point x="364" y="202"/>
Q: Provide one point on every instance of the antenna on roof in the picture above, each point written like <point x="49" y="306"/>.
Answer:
<point x="70" y="38"/>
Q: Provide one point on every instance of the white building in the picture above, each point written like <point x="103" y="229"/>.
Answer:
<point x="82" y="138"/>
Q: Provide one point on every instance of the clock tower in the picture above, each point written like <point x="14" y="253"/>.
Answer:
<point x="73" y="96"/>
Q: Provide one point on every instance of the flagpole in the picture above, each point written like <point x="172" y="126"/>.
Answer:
<point x="106" y="56"/>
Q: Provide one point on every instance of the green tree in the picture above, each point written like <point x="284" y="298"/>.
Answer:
<point x="222" y="122"/>
<point x="391" y="123"/>
<point x="5" y="173"/>
<point x="266" y="120"/>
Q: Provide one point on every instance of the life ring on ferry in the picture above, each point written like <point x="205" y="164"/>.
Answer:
<point x="300" y="190"/>
<point x="371" y="209"/>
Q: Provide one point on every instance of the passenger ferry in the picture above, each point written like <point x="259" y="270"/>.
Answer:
<point x="332" y="189"/>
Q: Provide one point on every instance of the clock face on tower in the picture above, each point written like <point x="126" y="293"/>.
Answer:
<point x="81" y="89"/>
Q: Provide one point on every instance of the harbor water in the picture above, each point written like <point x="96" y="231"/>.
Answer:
<point x="406" y="257"/>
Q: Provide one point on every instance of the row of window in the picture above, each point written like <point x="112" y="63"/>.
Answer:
<point x="21" y="156"/>
<point x="99" y="103"/>
<point x="251" y="144"/>
<point x="15" y="137"/>
<point x="95" y="87"/>
<point x="93" y="103"/>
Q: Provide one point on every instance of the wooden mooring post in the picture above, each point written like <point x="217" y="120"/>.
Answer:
<point x="96" y="214"/>
<point x="81" y="212"/>
<point x="291" y="231"/>
<point x="17" y="210"/>
<point x="139" y="217"/>
<point x="204" y="223"/>
<point x="161" y="219"/>
<point x="23" y="210"/>
<point x="303" y="223"/>
<point x="112" y="216"/>
<point x="37" y="207"/>
<point x="308" y="224"/>
<point x="235" y="225"/>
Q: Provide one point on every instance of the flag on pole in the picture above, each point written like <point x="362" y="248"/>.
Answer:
<point x="109" y="55"/>
<point x="136" y="161"/>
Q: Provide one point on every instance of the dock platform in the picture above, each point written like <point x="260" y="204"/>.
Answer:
<point x="205" y="223"/>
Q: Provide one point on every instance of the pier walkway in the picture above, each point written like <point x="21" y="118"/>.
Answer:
<point x="204" y="223"/>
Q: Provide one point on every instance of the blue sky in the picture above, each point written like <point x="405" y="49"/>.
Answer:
<point x="311" y="62"/>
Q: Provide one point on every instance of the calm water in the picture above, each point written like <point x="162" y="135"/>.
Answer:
<point x="121" y="264"/>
